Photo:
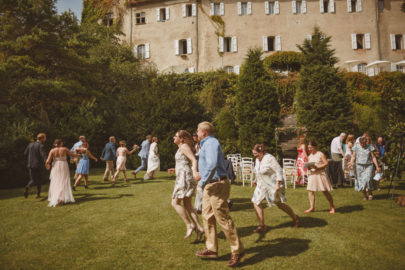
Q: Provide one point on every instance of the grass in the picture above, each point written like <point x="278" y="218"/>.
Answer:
<point x="133" y="226"/>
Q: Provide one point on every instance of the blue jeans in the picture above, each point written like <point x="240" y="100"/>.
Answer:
<point x="144" y="162"/>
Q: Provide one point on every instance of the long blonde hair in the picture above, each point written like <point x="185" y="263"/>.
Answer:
<point x="187" y="139"/>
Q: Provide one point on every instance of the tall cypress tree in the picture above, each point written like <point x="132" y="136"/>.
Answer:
<point x="257" y="108"/>
<point x="323" y="105"/>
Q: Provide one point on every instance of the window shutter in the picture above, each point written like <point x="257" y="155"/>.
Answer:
<point x="294" y="6"/>
<point x="212" y="9"/>
<point x="393" y="67"/>
<point x="349" y="6"/>
<point x="266" y="7"/>
<point x="355" y="68"/>
<point x="370" y="71"/>
<point x="221" y="44"/>
<point x="265" y="45"/>
<point x="167" y="14"/>
<point x="176" y="47"/>
<point x="321" y="6"/>
<point x="189" y="46"/>
<point x="191" y="70"/>
<point x="147" y="50"/>
<point x="331" y="6"/>
<point x="249" y="8"/>
<point x="194" y="10"/>
<point x="183" y="10"/>
<point x="367" y="40"/>
<point x="276" y="7"/>
<point x="354" y="42"/>
<point x="309" y="37"/>
<point x="278" y="43"/>
<point x="359" y="6"/>
<point x="221" y="9"/>
<point x="239" y="8"/>
<point x="393" y="46"/>
<point x="236" y="69"/>
<point x="135" y="50"/>
<point x="234" y="44"/>
<point x="158" y="14"/>
<point x="304" y="6"/>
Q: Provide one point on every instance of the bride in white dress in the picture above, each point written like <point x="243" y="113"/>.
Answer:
<point x="153" y="160"/>
<point x="60" y="190"/>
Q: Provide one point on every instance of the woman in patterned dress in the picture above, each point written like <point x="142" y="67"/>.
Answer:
<point x="269" y="181"/>
<point x="186" y="168"/>
<point x="318" y="180"/>
<point x="302" y="158"/>
<point x="364" y="157"/>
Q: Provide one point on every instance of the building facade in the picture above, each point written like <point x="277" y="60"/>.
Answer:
<point x="204" y="35"/>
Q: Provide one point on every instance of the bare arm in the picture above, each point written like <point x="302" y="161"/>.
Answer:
<point x="70" y="153"/>
<point x="91" y="156"/>
<point x="135" y="147"/>
<point x="304" y="150"/>
<point x="375" y="161"/>
<point x="185" y="149"/>
<point x="48" y="161"/>
<point x="324" y="163"/>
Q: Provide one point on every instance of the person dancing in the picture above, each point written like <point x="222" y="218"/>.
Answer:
<point x="269" y="186"/>
<point x="59" y="188"/>
<point x="318" y="180"/>
<point x="186" y="169"/>
<point x="84" y="165"/>
<point x="122" y="152"/>
<point x="302" y="158"/>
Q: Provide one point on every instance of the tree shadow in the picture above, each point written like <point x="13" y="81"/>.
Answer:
<point x="95" y="197"/>
<point x="241" y="204"/>
<point x="278" y="247"/>
<point x="385" y="196"/>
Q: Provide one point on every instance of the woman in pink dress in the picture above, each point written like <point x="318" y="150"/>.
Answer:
<point x="318" y="180"/>
<point x="122" y="153"/>
<point x="301" y="160"/>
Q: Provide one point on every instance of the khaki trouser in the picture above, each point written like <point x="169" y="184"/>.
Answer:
<point x="337" y="157"/>
<point x="109" y="168"/>
<point x="215" y="209"/>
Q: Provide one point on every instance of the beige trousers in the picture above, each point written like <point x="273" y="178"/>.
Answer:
<point x="109" y="169"/>
<point x="215" y="209"/>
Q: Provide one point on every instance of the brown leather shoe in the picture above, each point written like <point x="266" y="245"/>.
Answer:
<point x="26" y="192"/>
<point x="260" y="229"/>
<point x="235" y="259"/>
<point x="38" y="196"/>
<point x="207" y="254"/>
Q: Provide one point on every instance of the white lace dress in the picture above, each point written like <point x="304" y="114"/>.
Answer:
<point x="60" y="190"/>
<point x="153" y="160"/>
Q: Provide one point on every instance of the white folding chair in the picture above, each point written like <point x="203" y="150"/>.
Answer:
<point x="247" y="170"/>
<point x="289" y="170"/>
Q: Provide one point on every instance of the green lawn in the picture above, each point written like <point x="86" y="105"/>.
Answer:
<point x="133" y="226"/>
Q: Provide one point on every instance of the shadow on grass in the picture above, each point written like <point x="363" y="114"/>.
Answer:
<point x="241" y="204"/>
<point x="384" y="196"/>
<point x="279" y="247"/>
<point x="95" y="197"/>
<point x="348" y="209"/>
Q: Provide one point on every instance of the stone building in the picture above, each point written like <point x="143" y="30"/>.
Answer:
<point x="204" y="35"/>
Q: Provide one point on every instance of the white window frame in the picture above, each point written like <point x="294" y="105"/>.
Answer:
<point x="236" y="69"/>
<point x="278" y="43"/>
<point x="275" y="7"/>
<point x="165" y="11"/>
<point x="140" y="18"/>
<point x="266" y="43"/>
<point x="219" y="6"/>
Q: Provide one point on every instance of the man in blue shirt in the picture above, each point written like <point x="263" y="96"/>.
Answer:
<point x="143" y="154"/>
<point x="108" y="155"/>
<point x="216" y="192"/>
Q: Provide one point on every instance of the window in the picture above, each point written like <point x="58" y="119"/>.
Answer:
<point x="217" y="9"/>
<point x="271" y="8"/>
<point x="325" y="6"/>
<point x="243" y="10"/>
<point x="298" y="7"/>
<point x="189" y="10"/>
<point x="380" y="5"/>
<point x="362" y="68"/>
<point x="141" y="51"/>
<point x="108" y="20"/>
<point x="360" y="41"/>
<point x="183" y="46"/>
<point x="227" y="44"/>
<point x="269" y="43"/>
<point x="354" y="5"/>
<point x="162" y="14"/>
<point x="140" y="18"/>
<point x="229" y="69"/>
<point x="398" y="42"/>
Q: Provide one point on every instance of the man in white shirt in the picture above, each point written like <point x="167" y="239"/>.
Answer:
<point x="336" y="148"/>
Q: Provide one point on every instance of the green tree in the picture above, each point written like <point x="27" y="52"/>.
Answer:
<point x="323" y="105"/>
<point x="284" y="61"/>
<point x="257" y="108"/>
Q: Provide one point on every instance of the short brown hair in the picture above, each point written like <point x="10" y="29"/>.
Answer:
<point x="123" y="143"/>
<point x="207" y="126"/>
<point x="260" y="148"/>
<point x="111" y="138"/>
<point x="41" y="136"/>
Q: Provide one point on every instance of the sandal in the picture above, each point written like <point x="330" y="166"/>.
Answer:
<point x="260" y="229"/>
<point x="309" y="210"/>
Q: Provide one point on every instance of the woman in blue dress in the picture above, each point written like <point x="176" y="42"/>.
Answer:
<point x="84" y="165"/>
<point x="364" y="157"/>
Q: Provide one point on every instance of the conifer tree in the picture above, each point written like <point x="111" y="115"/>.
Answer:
<point x="323" y="105"/>
<point x="257" y="108"/>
